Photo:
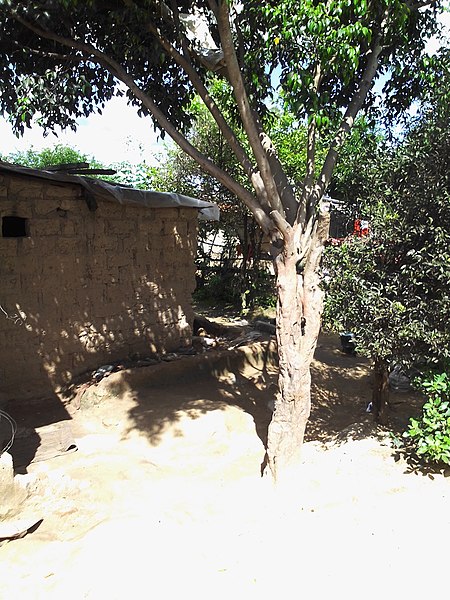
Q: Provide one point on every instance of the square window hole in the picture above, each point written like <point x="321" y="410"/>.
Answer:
<point x="13" y="227"/>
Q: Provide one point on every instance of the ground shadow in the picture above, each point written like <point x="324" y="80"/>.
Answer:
<point x="29" y="418"/>
<point x="196" y="385"/>
<point x="158" y="399"/>
<point x="246" y="378"/>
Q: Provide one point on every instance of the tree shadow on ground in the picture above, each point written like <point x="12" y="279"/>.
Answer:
<point x="160" y="398"/>
<point x="417" y="466"/>
<point x="29" y="418"/>
<point x="155" y="400"/>
<point x="341" y="391"/>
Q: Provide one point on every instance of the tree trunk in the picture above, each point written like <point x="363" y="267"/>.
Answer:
<point x="380" y="394"/>
<point x="299" y="309"/>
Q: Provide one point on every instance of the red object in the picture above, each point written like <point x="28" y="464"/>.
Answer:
<point x="360" y="228"/>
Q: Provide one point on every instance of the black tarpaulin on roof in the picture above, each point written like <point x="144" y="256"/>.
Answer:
<point x="208" y="211"/>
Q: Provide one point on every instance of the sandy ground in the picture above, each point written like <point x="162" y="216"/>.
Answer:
<point x="164" y="499"/>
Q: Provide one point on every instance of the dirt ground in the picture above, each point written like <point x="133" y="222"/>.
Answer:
<point x="164" y="499"/>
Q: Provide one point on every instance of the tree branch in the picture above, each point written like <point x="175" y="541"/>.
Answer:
<point x="121" y="74"/>
<point x="302" y="213"/>
<point x="281" y="223"/>
<point x="416" y="5"/>
<point x="240" y="94"/>
<point x="227" y="131"/>
<point x="213" y="7"/>
<point x="184" y="44"/>
<point x="347" y="122"/>
<point x="55" y="55"/>
<point x="281" y="180"/>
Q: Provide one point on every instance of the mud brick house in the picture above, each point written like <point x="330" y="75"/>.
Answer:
<point x="90" y="273"/>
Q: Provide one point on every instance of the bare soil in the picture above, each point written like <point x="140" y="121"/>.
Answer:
<point x="164" y="496"/>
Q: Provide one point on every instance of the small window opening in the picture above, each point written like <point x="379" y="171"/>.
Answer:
<point x="14" y="227"/>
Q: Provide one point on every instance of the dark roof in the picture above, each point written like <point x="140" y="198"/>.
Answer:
<point x="119" y="193"/>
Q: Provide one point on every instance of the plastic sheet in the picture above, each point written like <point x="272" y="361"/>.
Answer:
<point x="123" y="194"/>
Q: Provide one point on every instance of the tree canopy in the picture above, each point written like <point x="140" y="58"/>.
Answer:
<point x="62" y="59"/>
<point x="53" y="155"/>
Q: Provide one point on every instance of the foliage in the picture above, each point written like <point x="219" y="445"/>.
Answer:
<point x="46" y="77"/>
<point x="358" y="167"/>
<point x="64" y="59"/>
<point x="335" y="35"/>
<point x="139" y="176"/>
<point x="429" y="435"/>
<point x="245" y="291"/>
<point x="392" y="289"/>
<point x="56" y="155"/>
<point x="250" y="284"/>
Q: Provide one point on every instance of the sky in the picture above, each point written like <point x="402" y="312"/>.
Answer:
<point x="117" y="135"/>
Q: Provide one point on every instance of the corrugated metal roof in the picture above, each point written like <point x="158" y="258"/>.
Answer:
<point x="120" y="193"/>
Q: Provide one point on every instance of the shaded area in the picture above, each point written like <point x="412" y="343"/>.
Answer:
<point x="160" y="397"/>
<point x="341" y="391"/>
<point x="42" y="444"/>
<point x="85" y="288"/>
<point x="34" y="421"/>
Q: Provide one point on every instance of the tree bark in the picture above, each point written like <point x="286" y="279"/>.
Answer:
<point x="380" y="394"/>
<point x="299" y="309"/>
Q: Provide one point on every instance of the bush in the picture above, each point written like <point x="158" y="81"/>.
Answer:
<point x="429" y="436"/>
<point x="254" y="289"/>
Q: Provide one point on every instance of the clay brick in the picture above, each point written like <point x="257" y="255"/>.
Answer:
<point x="18" y="208"/>
<point x="106" y="242"/>
<point x="69" y="246"/>
<point x="8" y="266"/>
<point x="48" y="206"/>
<point x="10" y="283"/>
<point x="27" y="247"/>
<point x="169" y="242"/>
<point x="132" y="211"/>
<point x="75" y="205"/>
<point x="25" y="189"/>
<point x="145" y="224"/>
<point x="168" y="214"/>
<point x="123" y="281"/>
<point x="51" y="270"/>
<point x="68" y="227"/>
<point x="7" y="207"/>
<point x="42" y="248"/>
<point x="44" y="227"/>
<point x="8" y="248"/>
<point x="119" y="260"/>
<point x="109" y="210"/>
<point x="121" y="228"/>
<point x="60" y="190"/>
<point x="182" y="229"/>
<point x="170" y="228"/>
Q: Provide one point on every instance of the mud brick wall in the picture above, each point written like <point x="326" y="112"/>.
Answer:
<point x="85" y="288"/>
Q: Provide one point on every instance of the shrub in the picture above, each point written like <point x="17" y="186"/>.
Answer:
<point x="429" y="435"/>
